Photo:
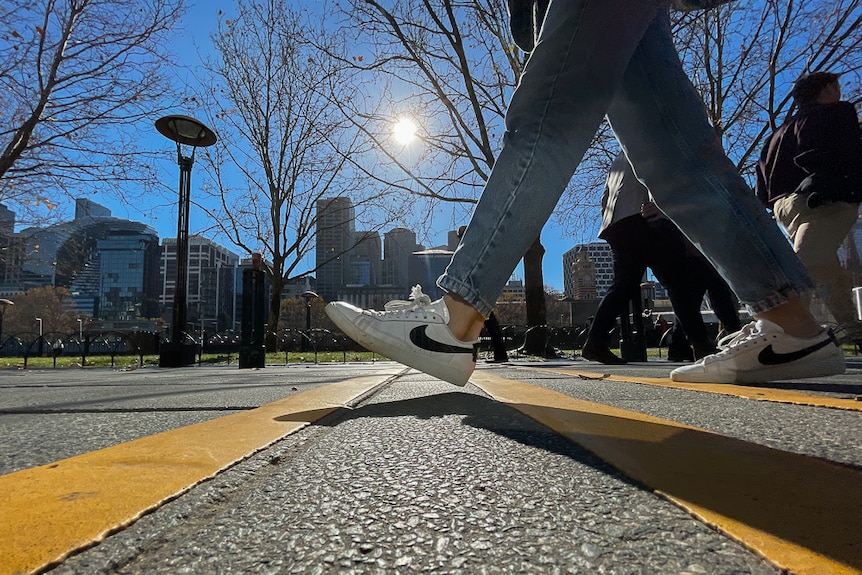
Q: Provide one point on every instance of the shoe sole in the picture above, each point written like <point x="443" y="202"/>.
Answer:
<point x="822" y="368"/>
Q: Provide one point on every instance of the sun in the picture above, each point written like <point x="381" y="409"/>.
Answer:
<point x="404" y="130"/>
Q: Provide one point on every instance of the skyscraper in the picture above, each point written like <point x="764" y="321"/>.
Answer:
<point x="335" y="236"/>
<point x="398" y="244"/>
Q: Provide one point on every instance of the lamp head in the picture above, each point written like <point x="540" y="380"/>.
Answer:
<point x="185" y="130"/>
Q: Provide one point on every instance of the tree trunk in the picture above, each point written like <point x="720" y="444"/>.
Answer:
<point x="270" y="337"/>
<point x="536" y="340"/>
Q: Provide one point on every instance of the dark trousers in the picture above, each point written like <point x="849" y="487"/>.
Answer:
<point x="636" y="245"/>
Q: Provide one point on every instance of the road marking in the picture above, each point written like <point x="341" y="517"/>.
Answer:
<point x="747" y="392"/>
<point x="51" y="511"/>
<point x="802" y="513"/>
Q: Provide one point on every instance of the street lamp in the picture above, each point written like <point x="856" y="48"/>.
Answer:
<point x="80" y="329"/>
<point x="4" y="303"/>
<point x="307" y="295"/>
<point x="39" y="319"/>
<point x="191" y="132"/>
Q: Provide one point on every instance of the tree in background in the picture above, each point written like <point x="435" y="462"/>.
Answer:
<point x="449" y="67"/>
<point x="744" y="57"/>
<point x="48" y="303"/>
<point x="76" y="79"/>
<point x="283" y="143"/>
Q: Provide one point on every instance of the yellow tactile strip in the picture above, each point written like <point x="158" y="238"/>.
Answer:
<point x="802" y="513"/>
<point x="747" y="392"/>
<point x="51" y="511"/>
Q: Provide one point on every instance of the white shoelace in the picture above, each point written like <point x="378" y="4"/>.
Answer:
<point x="417" y="301"/>
<point x="736" y="337"/>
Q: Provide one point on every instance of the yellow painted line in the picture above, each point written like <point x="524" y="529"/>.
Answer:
<point x="747" y="392"/>
<point x="802" y="513"/>
<point x="51" y="511"/>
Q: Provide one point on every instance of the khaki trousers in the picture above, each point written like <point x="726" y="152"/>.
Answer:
<point x="816" y="235"/>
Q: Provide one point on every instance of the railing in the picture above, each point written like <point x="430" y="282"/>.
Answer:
<point x="27" y="345"/>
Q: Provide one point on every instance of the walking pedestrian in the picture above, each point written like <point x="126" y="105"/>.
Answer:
<point x="614" y="58"/>
<point x="641" y="237"/>
<point x="810" y="174"/>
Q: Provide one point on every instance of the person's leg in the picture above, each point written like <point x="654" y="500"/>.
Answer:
<point x="573" y="72"/>
<point x="661" y="122"/>
<point x="816" y="235"/>
<point x="724" y="302"/>
<point x="629" y="262"/>
<point x="668" y="259"/>
<point x="564" y="93"/>
<point x="492" y="325"/>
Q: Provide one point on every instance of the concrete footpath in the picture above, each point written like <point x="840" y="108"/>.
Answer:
<point x="533" y="467"/>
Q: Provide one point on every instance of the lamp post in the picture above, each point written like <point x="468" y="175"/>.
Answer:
<point x="39" y="319"/>
<point x="80" y="329"/>
<point x="4" y="303"/>
<point x="307" y="295"/>
<point x="191" y="132"/>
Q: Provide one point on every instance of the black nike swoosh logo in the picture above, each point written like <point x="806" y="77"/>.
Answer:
<point x="768" y="356"/>
<point x="421" y="339"/>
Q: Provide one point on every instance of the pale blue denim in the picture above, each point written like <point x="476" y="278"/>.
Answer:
<point x="616" y="58"/>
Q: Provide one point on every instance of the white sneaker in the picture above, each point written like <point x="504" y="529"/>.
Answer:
<point x="414" y="333"/>
<point x="761" y="351"/>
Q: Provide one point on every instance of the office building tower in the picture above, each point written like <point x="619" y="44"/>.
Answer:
<point x="593" y="260"/>
<point x="110" y="265"/>
<point x="398" y="244"/>
<point x="424" y="267"/>
<point x="211" y="284"/>
<point x="334" y="236"/>
<point x="366" y="265"/>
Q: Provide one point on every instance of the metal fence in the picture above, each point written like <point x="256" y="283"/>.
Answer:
<point x="226" y="345"/>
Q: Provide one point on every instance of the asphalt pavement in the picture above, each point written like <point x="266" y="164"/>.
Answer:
<point x="534" y="467"/>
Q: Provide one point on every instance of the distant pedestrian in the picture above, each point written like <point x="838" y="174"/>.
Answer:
<point x="641" y="237"/>
<point x="810" y="174"/>
<point x="702" y="278"/>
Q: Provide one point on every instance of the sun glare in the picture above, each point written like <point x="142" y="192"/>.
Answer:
<point x="404" y="130"/>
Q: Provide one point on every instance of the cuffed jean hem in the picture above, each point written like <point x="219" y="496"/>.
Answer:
<point x="774" y="300"/>
<point x="470" y="295"/>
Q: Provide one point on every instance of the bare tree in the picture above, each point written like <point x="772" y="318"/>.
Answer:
<point x="76" y="76"/>
<point x="744" y="57"/>
<point x="448" y="66"/>
<point x="452" y="66"/>
<point x="284" y="146"/>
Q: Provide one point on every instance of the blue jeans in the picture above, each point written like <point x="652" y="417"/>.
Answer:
<point x="616" y="58"/>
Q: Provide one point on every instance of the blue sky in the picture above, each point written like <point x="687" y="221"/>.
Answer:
<point x="192" y="40"/>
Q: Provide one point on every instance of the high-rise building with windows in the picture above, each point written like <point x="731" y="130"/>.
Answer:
<point x="398" y="244"/>
<point x="110" y="265"/>
<point x="212" y="283"/>
<point x="335" y="235"/>
<point x="425" y="266"/>
<point x="128" y="265"/>
<point x="587" y="264"/>
<point x="366" y="265"/>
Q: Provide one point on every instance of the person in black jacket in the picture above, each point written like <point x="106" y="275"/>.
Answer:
<point x="810" y="174"/>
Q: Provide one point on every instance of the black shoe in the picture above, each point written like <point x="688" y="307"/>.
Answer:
<point x="680" y="354"/>
<point x="601" y="355"/>
<point x="702" y="351"/>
